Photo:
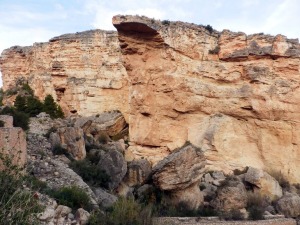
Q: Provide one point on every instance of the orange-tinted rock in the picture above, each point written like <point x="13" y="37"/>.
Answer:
<point x="234" y="96"/>
<point x="82" y="71"/>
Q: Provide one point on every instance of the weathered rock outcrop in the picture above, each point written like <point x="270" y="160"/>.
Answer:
<point x="266" y="184"/>
<point x="233" y="95"/>
<point x="180" y="173"/>
<point x="12" y="142"/>
<point x="232" y="195"/>
<point x="289" y="205"/>
<point x="82" y="71"/>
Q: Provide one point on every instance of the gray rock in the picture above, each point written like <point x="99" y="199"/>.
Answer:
<point x="82" y="216"/>
<point x="208" y="178"/>
<point x="114" y="164"/>
<point x="104" y="199"/>
<point x="62" y="211"/>
<point x="218" y="175"/>
<point x="231" y="195"/>
<point x="180" y="169"/>
<point x="289" y="205"/>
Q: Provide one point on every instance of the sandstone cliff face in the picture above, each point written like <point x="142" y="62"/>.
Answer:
<point x="82" y="71"/>
<point x="233" y="95"/>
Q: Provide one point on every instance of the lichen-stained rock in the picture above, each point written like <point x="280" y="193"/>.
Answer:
<point x="71" y="138"/>
<point x="266" y="184"/>
<point x="231" y="195"/>
<point x="82" y="71"/>
<point x="138" y="171"/>
<point x="289" y="205"/>
<point x="179" y="170"/>
<point x="115" y="166"/>
<point x="108" y="123"/>
<point x="233" y="95"/>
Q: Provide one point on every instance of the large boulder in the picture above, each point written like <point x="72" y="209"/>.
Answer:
<point x="82" y="216"/>
<point x="114" y="164"/>
<point x="180" y="169"/>
<point x="266" y="184"/>
<point x="180" y="174"/>
<point x="97" y="127"/>
<point x="104" y="199"/>
<point x="289" y="205"/>
<point x="231" y="195"/>
<point x="71" y="138"/>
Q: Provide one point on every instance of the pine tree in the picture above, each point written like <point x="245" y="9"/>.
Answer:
<point x="20" y="103"/>
<point x="34" y="106"/>
<point x="51" y="108"/>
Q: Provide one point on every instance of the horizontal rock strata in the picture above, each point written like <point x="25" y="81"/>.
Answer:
<point x="234" y="96"/>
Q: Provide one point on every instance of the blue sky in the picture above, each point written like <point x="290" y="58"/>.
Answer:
<point x="23" y="22"/>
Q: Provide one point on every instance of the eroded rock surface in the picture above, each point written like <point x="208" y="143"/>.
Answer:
<point x="233" y="95"/>
<point x="82" y="71"/>
<point x="180" y="173"/>
<point x="266" y="184"/>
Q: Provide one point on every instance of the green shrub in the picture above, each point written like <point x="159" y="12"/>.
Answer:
<point x="59" y="150"/>
<point x="34" y="183"/>
<point x="27" y="89"/>
<point x="20" y="119"/>
<point x="165" y="22"/>
<point x="90" y="173"/>
<point x="17" y="206"/>
<point x="1" y="96"/>
<point x="20" y="103"/>
<point x="255" y="206"/>
<point x="33" y="106"/>
<point x="209" y="28"/>
<point x="51" y="108"/>
<point x="73" y="197"/>
<point x="123" y="212"/>
<point x="11" y="92"/>
<point x="2" y="123"/>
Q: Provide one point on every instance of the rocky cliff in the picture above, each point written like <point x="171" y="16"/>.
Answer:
<point x="234" y="96"/>
<point x="12" y="143"/>
<point x="82" y="71"/>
